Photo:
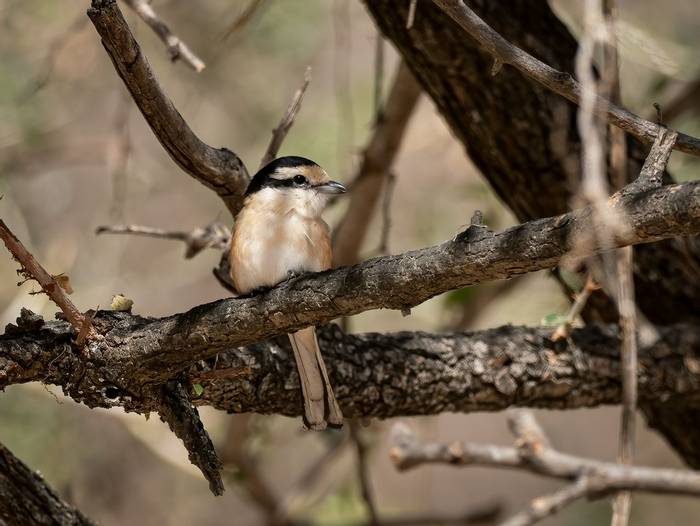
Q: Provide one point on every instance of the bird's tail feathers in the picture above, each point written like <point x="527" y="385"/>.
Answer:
<point x="320" y="406"/>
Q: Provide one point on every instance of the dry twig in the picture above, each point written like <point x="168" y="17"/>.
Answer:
<point x="622" y="504"/>
<point x="32" y="269"/>
<point x="363" y="474"/>
<point x="177" y="49"/>
<point x="557" y="81"/>
<point x="42" y="78"/>
<point x="244" y="18"/>
<point x="280" y="132"/>
<point x="533" y="453"/>
<point x="564" y="330"/>
<point x="375" y="168"/>
<point x="214" y="235"/>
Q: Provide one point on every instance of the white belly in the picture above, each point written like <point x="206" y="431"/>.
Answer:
<point x="263" y="257"/>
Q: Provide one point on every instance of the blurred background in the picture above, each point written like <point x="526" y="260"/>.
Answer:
<point x="75" y="153"/>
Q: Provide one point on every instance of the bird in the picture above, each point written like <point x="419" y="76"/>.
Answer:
<point x="277" y="234"/>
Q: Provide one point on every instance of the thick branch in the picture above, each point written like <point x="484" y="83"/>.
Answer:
<point x="136" y="353"/>
<point x="557" y="81"/>
<point x="26" y="499"/>
<point x="373" y="374"/>
<point x="217" y="168"/>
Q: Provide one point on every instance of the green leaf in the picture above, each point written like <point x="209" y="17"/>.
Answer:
<point x="553" y="320"/>
<point x="198" y="389"/>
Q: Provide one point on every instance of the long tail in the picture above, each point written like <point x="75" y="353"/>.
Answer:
<point x="320" y="406"/>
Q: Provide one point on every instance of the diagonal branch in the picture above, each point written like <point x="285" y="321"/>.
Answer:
<point x="32" y="269"/>
<point x="25" y="498"/>
<point x="280" y="132"/>
<point x="177" y="49"/>
<point x="557" y="81"/>
<point x="217" y="168"/>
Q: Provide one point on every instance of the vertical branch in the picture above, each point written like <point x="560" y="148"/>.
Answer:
<point x="363" y="474"/>
<point x="378" y="77"/>
<point x="341" y="78"/>
<point x="375" y="167"/>
<point x="118" y="160"/>
<point x="625" y="291"/>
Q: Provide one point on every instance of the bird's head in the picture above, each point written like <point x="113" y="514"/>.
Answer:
<point x="292" y="183"/>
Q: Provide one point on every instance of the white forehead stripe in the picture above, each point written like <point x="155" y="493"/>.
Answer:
<point x="285" y="172"/>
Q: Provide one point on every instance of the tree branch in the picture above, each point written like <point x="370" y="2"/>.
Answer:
<point x="32" y="269"/>
<point x="375" y="168"/>
<point x="280" y="132"/>
<point x="177" y="49"/>
<point x="136" y="353"/>
<point x="557" y="81"/>
<point x="217" y="168"/>
<point x="25" y="498"/>
<point x="214" y="235"/>
<point x="532" y="452"/>
<point x="411" y="373"/>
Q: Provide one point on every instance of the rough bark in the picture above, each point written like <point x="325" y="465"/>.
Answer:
<point x="26" y="499"/>
<point x="523" y="139"/>
<point x="135" y="355"/>
<point x="385" y="375"/>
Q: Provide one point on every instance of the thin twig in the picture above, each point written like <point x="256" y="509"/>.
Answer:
<point x="363" y="474"/>
<point x="280" y="132"/>
<point x="557" y="81"/>
<point x="378" y="157"/>
<point x="622" y="504"/>
<point x="546" y="506"/>
<point x="378" y="77"/>
<point x="214" y="235"/>
<point x="411" y="18"/>
<point x="564" y="330"/>
<point x="118" y="160"/>
<point x="32" y="269"/>
<point x="244" y="18"/>
<point x="42" y="78"/>
<point x="177" y="49"/>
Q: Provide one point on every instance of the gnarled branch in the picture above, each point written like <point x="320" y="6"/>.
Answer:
<point x="218" y="168"/>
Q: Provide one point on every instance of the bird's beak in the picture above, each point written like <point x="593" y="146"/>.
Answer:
<point x="331" y="187"/>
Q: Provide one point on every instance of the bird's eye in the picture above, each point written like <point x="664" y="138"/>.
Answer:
<point x="299" y="179"/>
